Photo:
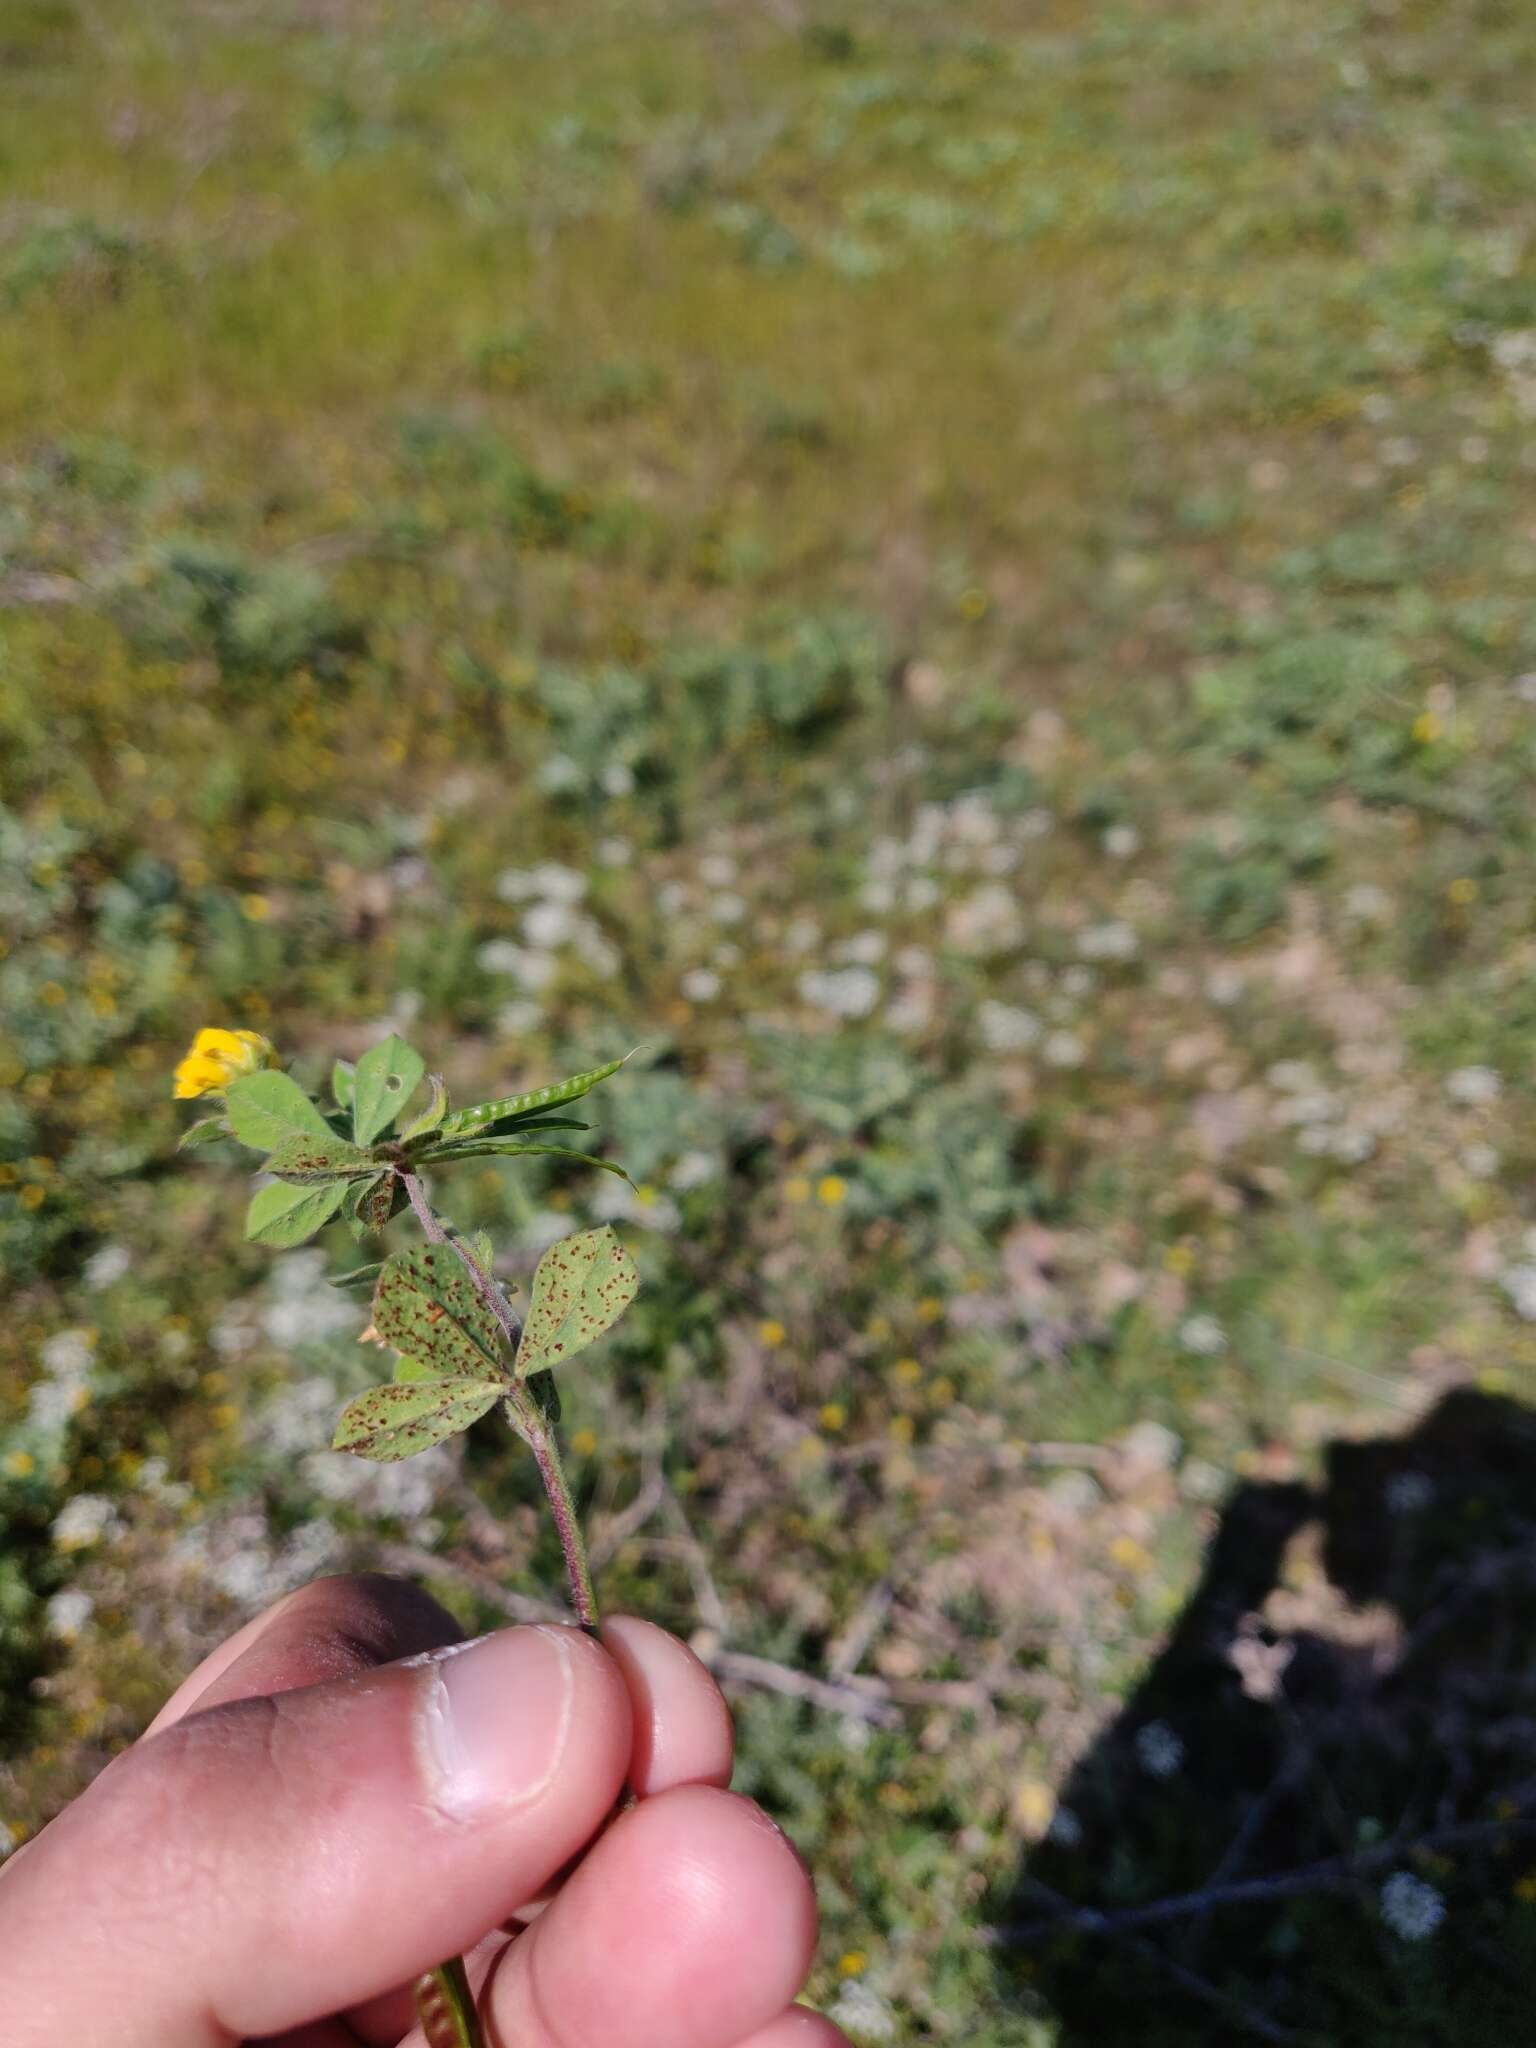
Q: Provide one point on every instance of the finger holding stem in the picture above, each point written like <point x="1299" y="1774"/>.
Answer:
<point x="444" y="2002"/>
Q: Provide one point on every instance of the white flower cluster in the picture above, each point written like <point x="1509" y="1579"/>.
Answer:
<point x="841" y="991"/>
<point x="962" y="837"/>
<point x="1202" y="1336"/>
<point x="242" y="1558"/>
<point x="106" y="1267"/>
<point x="555" y="929"/>
<point x="67" y="1613"/>
<point x="305" y="1308"/>
<point x="1474" y="1087"/>
<point x="1410" y="1907"/>
<point x="860" y="2010"/>
<point x="1519" y="1283"/>
<point x="1007" y="1029"/>
<point x="86" y="1519"/>
<point x="1319" y="1116"/>
<point x="64" y="1389"/>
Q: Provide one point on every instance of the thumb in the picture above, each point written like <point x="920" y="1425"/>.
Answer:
<point x="269" y="1861"/>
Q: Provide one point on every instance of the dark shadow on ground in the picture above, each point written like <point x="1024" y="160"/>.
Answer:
<point x="1356" y="1674"/>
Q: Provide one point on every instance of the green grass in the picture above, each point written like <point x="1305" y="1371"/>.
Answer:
<point x="1016" y="525"/>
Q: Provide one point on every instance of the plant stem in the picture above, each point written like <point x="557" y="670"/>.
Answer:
<point x="443" y="2001"/>
<point x="530" y="1423"/>
<point x="485" y="1286"/>
<point x="541" y="1440"/>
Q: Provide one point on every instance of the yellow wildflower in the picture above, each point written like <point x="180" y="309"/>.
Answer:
<point x="1034" y="1808"/>
<point x="218" y="1057"/>
<point x="831" y="1189"/>
<point x="771" y="1333"/>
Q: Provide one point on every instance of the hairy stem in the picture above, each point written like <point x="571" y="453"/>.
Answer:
<point x="443" y="2001"/>
<point x="485" y="1286"/>
<point x="541" y="1440"/>
<point x="531" y="1425"/>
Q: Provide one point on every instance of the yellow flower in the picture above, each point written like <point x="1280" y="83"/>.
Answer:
<point x="831" y="1189"/>
<point x="771" y="1333"/>
<point x="1034" y="1808"/>
<point x="218" y="1057"/>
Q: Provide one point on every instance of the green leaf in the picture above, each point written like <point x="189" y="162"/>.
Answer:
<point x="341" y="1083"/>
<point x="264" y="1109"/>
<point x="393" y="1422"/>
<point x="513" y="1148"/>
<point x="329" y="1158"/>
<point x="530" y="1127"/>
<point x="386" y="1075"/>
<point x="431" y="1116"/>
<point x="371" y="1203"/>
<point x="379" y="1201"/>
<point x="203" y="1132"/>
<point x="582" y="1286"/>
<point x="427" y="1307"/>
<point x="484" y="1113"/>
<point x="545" y="1390"/>
<point x="359" y="1277"/>
<point x="409" y="1370"/>
<point x="282" y="1214"/>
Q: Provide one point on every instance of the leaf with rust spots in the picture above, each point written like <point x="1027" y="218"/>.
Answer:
<point x="427" y="1307"/>
<point x="394" y="1422"/>
<point x="582" y="1286"/>
<point x="327" y="1158"/>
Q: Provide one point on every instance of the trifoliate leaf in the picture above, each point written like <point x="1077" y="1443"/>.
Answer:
<point x="284" y="1214"/>
<point x="341" y="1083"/>
<point x="427" y="1307"/>
<point x="581" y="1288"/>
<point x="265" y="1109"/>
<point x="431" y="1116"/>
<point x="386" y="1075"/>
<point x="484" y="1114"/>
<point x="393" y="1422"/>
<point x="328" y="1158"/>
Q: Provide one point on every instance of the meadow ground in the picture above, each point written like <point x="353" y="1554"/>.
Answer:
<point x="964" y="574"/>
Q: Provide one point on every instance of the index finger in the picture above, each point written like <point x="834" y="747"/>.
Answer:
<point x="331" y="1628"/>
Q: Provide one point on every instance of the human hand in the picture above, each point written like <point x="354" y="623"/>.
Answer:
<point x="312" y="1822"/>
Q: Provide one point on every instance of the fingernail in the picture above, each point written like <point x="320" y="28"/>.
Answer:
<point x="493" y="1720"/>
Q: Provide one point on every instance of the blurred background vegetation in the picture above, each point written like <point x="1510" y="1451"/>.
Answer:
<point x="963" y="572"/>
